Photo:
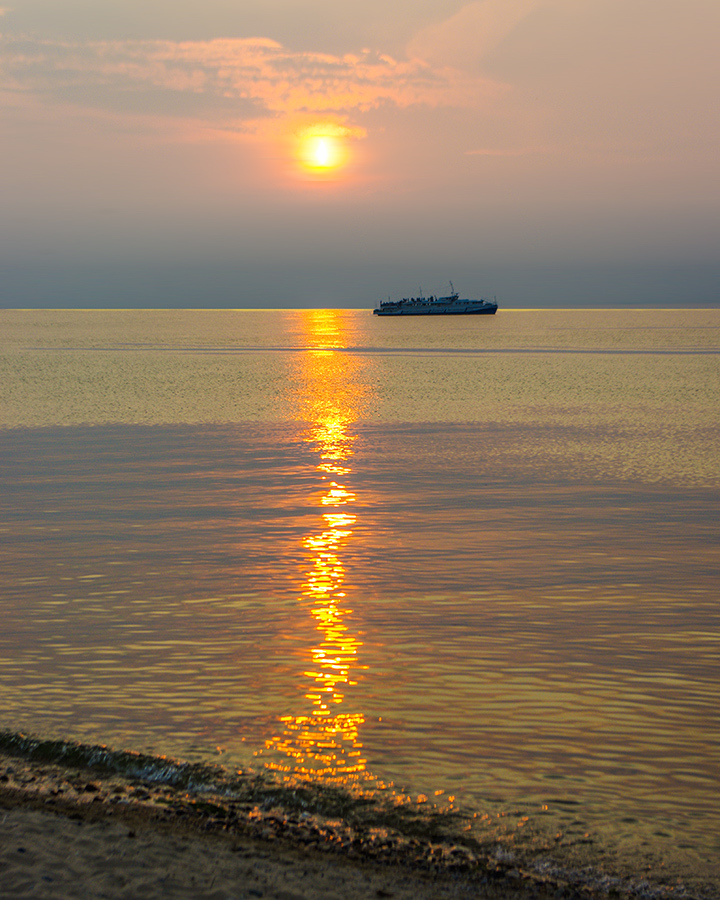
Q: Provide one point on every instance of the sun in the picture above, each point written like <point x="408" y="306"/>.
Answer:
<point x="322" y="152"/>
<point x="323" y="149"/>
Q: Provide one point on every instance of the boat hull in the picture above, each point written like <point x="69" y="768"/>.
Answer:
<point x="437" y="310"/>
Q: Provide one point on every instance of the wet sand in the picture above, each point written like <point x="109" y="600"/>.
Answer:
<point x="64" y="834"/>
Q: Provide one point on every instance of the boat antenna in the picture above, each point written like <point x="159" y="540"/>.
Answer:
<point x="452" y="289"/>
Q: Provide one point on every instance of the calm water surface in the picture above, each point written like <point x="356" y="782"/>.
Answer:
<point x="475" y="559"/>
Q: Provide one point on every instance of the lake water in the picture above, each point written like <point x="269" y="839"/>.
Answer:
<point x="472" y="562"/>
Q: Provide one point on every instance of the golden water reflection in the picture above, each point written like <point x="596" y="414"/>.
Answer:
<point x="323" y="740"/>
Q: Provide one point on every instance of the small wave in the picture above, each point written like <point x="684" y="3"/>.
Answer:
<point x="368" y="807"/>
<point x="108" y="762"/>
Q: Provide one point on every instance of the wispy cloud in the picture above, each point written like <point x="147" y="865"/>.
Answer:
<point x="472" y="32"/>
<point x="518" y="151"/>
<point x="258" y="74"/>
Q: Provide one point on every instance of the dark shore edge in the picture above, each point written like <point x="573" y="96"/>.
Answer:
<point x="89" y="796"/>
<point x="79" y="794"/>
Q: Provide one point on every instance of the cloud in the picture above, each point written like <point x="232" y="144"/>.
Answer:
<point x="469" y="35"/>
<point x="520" y="151"/>
<point x="258" y="75"/>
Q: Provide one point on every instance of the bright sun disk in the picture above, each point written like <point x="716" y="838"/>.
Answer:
<point x="322" y="152"/>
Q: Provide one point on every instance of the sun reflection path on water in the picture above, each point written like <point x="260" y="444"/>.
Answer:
<point x="323" y="742"/>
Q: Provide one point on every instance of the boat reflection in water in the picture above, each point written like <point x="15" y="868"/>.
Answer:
<point x="323" y="742"/>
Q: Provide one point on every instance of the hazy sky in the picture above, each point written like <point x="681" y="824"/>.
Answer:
<point x="287" y="153"/>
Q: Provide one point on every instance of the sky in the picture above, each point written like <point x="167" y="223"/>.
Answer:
<point x="278" y="153"/>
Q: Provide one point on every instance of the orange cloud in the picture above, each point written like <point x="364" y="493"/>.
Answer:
<point x="259" y="72"/>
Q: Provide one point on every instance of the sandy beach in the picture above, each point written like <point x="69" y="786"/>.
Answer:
<point x="46" y="854"/>
<point x="64" y="834"/>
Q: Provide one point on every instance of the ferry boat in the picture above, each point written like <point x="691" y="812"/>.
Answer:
<point x="451" y="305"/>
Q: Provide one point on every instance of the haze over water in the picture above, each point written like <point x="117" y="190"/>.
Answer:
<point x="475" y="558"/>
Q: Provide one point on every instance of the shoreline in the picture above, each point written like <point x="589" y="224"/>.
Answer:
<point x="69" y="831"/>
<point x="65" y="833"/>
